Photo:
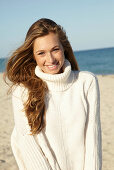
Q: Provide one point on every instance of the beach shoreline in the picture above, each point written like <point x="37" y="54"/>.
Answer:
<point x="106" y="84"/>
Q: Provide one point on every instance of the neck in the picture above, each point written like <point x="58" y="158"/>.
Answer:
<point x="57" y="82"/>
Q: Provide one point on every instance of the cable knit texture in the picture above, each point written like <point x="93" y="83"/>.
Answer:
<point x="72" y="137"/>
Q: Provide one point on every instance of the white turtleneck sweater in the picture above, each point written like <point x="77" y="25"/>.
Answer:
<point x="72" y="137"/>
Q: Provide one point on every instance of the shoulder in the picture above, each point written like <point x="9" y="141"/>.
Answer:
<point x="20" y="92"/>
<point x="85" y="75"/>
<point x="85" y="78"/>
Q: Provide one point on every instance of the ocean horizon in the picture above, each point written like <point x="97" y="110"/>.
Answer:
<point x="98" y="61"/>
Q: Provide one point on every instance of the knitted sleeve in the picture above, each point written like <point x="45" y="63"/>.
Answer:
<point x="93" y="137"/>
<point x="26" y="150"/>
<point x="16" y="150"/>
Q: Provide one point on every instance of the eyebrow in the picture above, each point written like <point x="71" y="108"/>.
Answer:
<point x="51" y="49"/>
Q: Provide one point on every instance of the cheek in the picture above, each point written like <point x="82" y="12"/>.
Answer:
<point x="39" y="61"/>
<point x="61" y="55"/>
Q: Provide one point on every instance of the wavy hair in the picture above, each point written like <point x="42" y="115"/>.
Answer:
<point x="21" y="70"/>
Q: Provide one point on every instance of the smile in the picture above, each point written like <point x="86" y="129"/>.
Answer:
<point x="52" y="66"/>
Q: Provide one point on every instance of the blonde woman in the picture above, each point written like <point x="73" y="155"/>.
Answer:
<point x="56" y="106"/>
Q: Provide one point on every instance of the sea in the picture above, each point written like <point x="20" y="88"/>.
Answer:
<point x="97" y="61"/>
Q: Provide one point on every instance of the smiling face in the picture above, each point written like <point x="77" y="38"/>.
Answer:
<point x="49" y="53"/>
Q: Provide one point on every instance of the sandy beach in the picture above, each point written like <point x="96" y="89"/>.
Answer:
<point x="106" y="83"/>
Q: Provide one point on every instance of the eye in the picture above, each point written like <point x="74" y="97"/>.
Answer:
<point x="56" y="49"/>
<point x="41" y="53"/>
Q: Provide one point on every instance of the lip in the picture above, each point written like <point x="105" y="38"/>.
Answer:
<point x="52" y="67"/>
<point x="52" y="64"/>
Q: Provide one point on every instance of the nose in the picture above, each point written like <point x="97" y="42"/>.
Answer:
<point x="50" y="58"/>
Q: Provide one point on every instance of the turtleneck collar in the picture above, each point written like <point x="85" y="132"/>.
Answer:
<point x="57" y="82"/>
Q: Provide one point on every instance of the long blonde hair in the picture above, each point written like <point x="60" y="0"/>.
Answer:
<point x="21" y="66"/>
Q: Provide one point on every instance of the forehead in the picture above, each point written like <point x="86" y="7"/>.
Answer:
<point x="47" y="41"/>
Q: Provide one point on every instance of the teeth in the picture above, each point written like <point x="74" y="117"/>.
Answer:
<point x="52" y="66"/>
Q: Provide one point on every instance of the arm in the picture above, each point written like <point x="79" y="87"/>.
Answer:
<point x="93" y="138"/>
<point x="16" y="150"/>
<point x="27" y="152"/>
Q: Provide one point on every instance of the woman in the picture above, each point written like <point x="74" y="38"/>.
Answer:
<point x="56" y="106"/>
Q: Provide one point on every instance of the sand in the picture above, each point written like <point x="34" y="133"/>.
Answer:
<point x="106" y="83"/>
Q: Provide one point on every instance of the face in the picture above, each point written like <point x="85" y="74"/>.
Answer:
<point x="49" y="53"/>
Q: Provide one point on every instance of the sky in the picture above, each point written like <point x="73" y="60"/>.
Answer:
<point x="88" y="24"/>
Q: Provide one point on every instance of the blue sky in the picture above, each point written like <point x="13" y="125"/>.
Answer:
<point x="89" y="24"/>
